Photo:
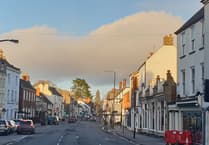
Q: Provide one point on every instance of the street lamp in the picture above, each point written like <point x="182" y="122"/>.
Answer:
<point x="114" y="79"/>
<point x="10" y="40"/>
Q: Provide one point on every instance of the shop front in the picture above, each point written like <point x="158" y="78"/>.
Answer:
<point x="192" y="121"/>
<point x="187" y="115"/>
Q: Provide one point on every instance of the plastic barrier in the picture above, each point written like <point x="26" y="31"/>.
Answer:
<point x="178" y="137"/>
<point x="171" y="136"/>
<point x="185" y="137"/>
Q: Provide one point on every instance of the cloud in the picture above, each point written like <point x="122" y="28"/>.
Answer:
<point x="121" y="46"/>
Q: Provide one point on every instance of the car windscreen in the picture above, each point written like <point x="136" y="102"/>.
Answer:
<point x="2" y="122"/>
<point x="25" y="122"/>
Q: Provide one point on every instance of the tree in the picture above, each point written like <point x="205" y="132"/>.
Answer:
<point x="98" y="102"/>
<point x="81" y="88"/>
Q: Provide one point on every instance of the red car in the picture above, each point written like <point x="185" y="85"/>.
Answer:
<point x="26" y="126"/>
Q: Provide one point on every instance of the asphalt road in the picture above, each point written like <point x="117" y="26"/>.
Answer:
<point x="80" y="133"/>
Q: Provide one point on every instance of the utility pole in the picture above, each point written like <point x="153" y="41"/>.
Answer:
<point x="113" y="107"/>
<point x="112" y="118"/>
<point x="134" y="133"/>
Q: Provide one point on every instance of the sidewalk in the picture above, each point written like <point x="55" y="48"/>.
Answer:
<point x="139" y="138"/>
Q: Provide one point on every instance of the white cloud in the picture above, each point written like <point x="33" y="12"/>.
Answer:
<point x="120" y="46"/>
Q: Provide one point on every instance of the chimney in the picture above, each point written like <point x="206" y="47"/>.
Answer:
<point x="169" y="76"/>
<point x="2" y="55"/>
<point x="38" y="92"/>
<point x="168" y="40"/>
<point x="124" y="83"/>
<point x="158" y="79"/>
<point x="25" y="77"/>
<point x="120" y="85"/>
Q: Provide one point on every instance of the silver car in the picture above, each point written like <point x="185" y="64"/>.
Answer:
<point x="4" y="127"/>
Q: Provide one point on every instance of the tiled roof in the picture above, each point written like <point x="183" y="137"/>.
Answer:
<point x="26" y="84"/>
<point x="54" y="91"/>
<point x="45" y="99"/>
<point x="194" y="19"/>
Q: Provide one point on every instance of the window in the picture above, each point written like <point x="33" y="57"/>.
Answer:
<point x="16" y="80"/>
<point x="193" y="37"/>
<point x="9" y="78"/>
<point x="192" y="33"/>
<point x="193" y="45"/>
<point x="183" y="49"/>
<point x="183" y="43"/>
<point x="183" y="81"/>
<point x="203" y="36"/>
<point x="193" y="78"/>
<point x="12" y="96"/>
<point x="202" y="72"/>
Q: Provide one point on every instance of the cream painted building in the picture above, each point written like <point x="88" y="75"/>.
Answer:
<point x="143" y="89"/>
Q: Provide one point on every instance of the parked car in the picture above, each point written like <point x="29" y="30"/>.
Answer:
<point x="12" y="126"/>
<point x="26" y="126"/>
<point x="53" y="120"/>
<point x="4" y="127"/>
<point x="17" y="122"/>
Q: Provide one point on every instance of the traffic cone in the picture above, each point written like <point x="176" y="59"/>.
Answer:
<point x="187" y="141"/>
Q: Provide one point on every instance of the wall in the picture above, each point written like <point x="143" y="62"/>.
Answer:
<point x="191" y="59"/>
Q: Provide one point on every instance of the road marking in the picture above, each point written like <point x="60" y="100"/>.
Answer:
<point x="77" y="137"/>
<point x="9" y="143"/>
<point x="60" y="140"/>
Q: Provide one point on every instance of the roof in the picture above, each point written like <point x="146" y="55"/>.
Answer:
<point x="4" y="61"/>
<point x="194" y="19"/>
<point x="26" y="84"/>
<point x="54" y="91"/>
<point x="45" y="99"/>
<point x="204" y="1"/>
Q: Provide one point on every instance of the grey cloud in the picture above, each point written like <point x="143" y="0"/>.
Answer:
<point x="121" y="46"/>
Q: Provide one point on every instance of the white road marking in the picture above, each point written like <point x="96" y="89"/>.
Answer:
<point x="60" y="140"/>
<point x="77" y="137"/>
<point x="9" y="143"/>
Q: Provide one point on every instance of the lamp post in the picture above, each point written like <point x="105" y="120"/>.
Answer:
<point x="114" y="80"/>
<point x="10" y="40"/>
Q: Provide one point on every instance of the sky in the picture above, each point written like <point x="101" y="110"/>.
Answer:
<point x="65" y="39"/>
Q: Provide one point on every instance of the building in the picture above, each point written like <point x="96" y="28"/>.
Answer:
<point x="190" y="112"/>
<point x="122" y="104"/>
<point x="147" y="90"/>
<point x="67" y="100"/>
<point x="44" y="107"/>
<point x="152" y="108"/>
<point x="27" y="98"/>
<point x="53" y="95"/>
<point x="9" y="88"/>
<point x="109" y="106"/>
<point x="186" y="113"/>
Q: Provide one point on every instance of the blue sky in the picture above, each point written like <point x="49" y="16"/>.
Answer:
<point x="115" y="24"/>
<point x="79" y="17"/>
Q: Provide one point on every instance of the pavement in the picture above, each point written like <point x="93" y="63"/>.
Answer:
<point x="140" y="139"/>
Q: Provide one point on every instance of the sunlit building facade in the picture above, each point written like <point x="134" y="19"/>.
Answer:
<point x="148" y="94"/>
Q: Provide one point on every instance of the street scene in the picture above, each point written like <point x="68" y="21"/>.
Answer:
<point x="113" y="72"/>
<point x="79" y="133"/>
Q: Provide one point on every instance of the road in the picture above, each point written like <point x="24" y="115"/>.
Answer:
<point x="80" y="133"/>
